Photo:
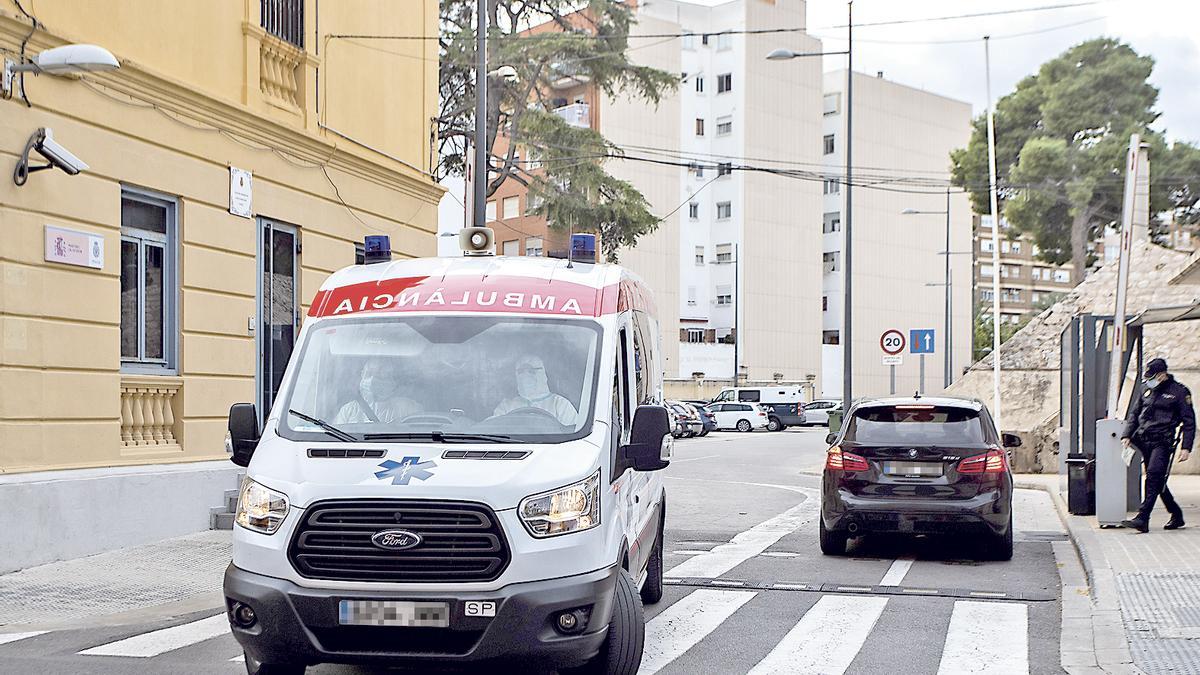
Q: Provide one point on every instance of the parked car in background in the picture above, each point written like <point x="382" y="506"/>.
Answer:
<point x="785" y="403"/>
<point x="740" y="416"/>
<point x="696" y="402"/>
<point x="710" y="420"/>
<point x="817" y="412"/>
<point x="688" y="422"/>
<point x="918" y="466"/>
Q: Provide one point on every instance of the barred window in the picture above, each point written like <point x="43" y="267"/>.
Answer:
<point x="285" y="20"/>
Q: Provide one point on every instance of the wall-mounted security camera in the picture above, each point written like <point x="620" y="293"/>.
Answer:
<point x="42" y="141"/>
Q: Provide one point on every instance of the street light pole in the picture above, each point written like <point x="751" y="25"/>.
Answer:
<point x="737" y="305"/>
<point x="948" y="378"/>
<point x="479" y="203"/>
<point x="847" y="295"/>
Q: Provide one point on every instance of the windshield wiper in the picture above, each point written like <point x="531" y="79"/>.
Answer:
<point x="441" y="437"/>
<point x="329" y="428"/>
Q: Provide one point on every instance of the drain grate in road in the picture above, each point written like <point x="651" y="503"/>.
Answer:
<point x="1162" y="620"/>
<point x="960" y="593"/>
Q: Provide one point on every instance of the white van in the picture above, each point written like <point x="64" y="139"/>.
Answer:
<point x="784" y="403"/>
<point x="463" y="465"/>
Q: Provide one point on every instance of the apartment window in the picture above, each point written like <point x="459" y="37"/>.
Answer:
<point x="699" y="255"/>
<point x="724" y="253"/>
<point x="832" y="186"/>
<point x="689" y="40"/>
<point x="1016" y="247"/>
<point x="1035" y="297"/>
<point x="1010" y="295"/>
<point x="694" y="210"/>
<point x="724" y="83"/>
<point x="829" y="144"/>
<point x="1010" y="271"/>
<point x="724" y="125"/>
<point x="832" y="103"/>
<point x="148" y="283"/>
<point x="699" y="126"/>
<point x="824" y="303"/>
<point x="724" y="210"/>
<point x="1062" y="276"/>
<point x="533" y="247"/>
<point x="1005" y="246"/>
<point x="490" y="211"/>
<point x="724" y="41"/>
<point x="532" y="204"/>
<point x="830" y="261"/>
<point x="724" y="296"/>
<point x="699" y="84"/>
<point x="512" y="207"/>
<point x="691" y="296"/>
<point x="987" y="245"/>
<point x="833" y="223"/>
<point x="509" y="247"/>
<point x="831" y="337"/>
<point x="695" y="336"/>
<point x="986" y="294"/>
<point x="985" y="271"/>
<point x="284" y="19"/>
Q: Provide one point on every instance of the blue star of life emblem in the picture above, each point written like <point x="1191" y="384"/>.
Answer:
<point x="405" y="470"/>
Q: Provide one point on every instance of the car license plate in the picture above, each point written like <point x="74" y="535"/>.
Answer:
<point x="918" y="469"/>
<point x="394" y="613"/>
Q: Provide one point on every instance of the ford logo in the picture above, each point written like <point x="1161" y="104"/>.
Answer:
<point x="396" y="540"/>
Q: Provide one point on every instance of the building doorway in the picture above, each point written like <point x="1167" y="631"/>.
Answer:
<point x="278" y="319"/>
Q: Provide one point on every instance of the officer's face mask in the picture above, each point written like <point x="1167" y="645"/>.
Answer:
<point x="1153" y="382"/>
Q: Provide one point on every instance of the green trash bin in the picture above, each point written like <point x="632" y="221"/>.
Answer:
<point x="835" y="421"/>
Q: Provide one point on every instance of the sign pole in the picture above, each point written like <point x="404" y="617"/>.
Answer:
<point x="922" y="380"/>
<point x="892" y="377"/>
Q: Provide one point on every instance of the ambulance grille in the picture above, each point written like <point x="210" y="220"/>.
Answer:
<point x="460" y="542"/>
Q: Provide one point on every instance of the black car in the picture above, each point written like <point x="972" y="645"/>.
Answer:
<point x="918" y="466"/>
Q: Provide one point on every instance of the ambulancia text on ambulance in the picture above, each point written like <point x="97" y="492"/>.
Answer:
<point x="463" y="465"/>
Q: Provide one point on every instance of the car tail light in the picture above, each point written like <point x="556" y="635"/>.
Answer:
<point x="994" y="461"/>
<point x="839" y="460"/>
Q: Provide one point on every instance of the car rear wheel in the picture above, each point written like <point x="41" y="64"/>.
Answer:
<point x="832" y="542"/>
<point x="743" y="425"/>
<point x="774" y="424"/>
<point x="999" y="547"/>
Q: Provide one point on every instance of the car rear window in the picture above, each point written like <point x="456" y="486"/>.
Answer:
<point x="915" y="425"/>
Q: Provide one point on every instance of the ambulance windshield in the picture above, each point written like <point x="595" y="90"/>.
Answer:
<point x="422" y="378"/>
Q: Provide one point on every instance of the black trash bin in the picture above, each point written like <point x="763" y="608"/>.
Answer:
<point x="1081" y="486"/>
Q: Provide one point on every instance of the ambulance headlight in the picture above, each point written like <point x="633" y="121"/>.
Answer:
<point x="573" y="508"/>
<point x="260" y="508"/>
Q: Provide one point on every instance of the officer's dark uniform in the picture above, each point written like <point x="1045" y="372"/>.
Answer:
<point x="1151" y="425"/>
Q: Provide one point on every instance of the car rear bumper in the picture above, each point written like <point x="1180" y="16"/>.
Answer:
<point x="300" y="625"/>
<point x="986" y="513"/>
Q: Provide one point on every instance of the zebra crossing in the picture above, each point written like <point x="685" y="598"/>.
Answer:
<point x="740" y="629"/>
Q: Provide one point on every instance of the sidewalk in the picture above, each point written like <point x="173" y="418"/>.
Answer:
<point x="1140" y="608"/>
<point x="173" y="576"/>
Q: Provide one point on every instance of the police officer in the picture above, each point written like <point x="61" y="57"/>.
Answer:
<point x="1164" y="405"/>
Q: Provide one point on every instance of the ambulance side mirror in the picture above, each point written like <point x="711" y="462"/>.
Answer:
<point x="243" y="433"/>
<point x="650" y="441"/>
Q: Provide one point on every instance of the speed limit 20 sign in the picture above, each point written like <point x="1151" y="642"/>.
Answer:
<point x="892" y="342"/>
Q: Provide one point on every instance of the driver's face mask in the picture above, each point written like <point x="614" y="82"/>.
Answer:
<point x="531" y="381"/>
<point x="377" y="387"/>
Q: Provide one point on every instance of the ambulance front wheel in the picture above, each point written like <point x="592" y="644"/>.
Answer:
<point x="622" y="650"/>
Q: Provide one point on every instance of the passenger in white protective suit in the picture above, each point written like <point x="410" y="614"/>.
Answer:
<point x="533" y="391"/>
<point x="379" y="387"/>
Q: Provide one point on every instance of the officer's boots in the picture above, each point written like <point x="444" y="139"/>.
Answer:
<point x="1175" y="522"/>
<point x="1137" y="523"/>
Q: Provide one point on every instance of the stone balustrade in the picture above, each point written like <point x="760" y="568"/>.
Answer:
<point x="148" y="417"/>
<point x="278" y="65"/>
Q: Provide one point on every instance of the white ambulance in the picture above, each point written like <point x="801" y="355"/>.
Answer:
<point x="463" y="465"/>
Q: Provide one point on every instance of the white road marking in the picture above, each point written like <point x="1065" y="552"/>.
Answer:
<point x="165" y="640"/>
<point x="896" y="572"/>
<point x="681" y="626"/>
<point x="6" y="638"/>
<point x="692" y="459"/>
<point x="986" y="638"/>
<point x="685" y="551"/>
<point x="826" y="639"/>
<point x="753" y="541"/>
<point x="779" y="554"/>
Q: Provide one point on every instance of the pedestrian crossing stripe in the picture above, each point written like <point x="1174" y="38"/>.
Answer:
<point x="986" y="638"/>
<point x="158" y="642"/>
<point x="827" y="637"/>
<point x="6" y="638"/>
<point x="685" y="623"/>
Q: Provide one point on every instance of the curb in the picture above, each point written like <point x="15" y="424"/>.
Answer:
<point x="1091" y="611"/>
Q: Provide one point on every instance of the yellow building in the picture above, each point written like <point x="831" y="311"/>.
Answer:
<point x="128" y="354"/>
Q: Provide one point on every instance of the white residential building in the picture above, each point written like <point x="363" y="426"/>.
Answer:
<point x="738" y="108"/>
<point x="902" y="136"/>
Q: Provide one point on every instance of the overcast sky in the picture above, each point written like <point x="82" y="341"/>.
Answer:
<point x="1168" y="30"/>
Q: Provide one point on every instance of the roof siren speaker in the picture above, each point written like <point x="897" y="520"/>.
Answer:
<point x="477" y="241"/>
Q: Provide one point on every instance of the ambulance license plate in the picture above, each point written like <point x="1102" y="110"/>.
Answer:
<point x="394" y="613"/>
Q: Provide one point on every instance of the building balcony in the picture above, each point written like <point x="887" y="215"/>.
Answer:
<point x="149" y="422"/>
<point x="576" y="115"/>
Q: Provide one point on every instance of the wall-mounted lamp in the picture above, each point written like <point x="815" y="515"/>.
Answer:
<point x="64" y="60"/>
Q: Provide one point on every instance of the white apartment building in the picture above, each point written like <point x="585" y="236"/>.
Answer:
<point x="746" y="269"/>
<point x="902" y="135"/>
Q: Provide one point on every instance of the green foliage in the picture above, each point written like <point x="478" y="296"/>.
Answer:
<point x="1061" y="139"/>
<point x="982" y="334"/>
<point x="588" y="43"/>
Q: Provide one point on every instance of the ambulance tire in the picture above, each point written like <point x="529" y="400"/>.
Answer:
<point x="622" y="650"/>
<point x="652" y="590"/>
<point x="255" y="667"/>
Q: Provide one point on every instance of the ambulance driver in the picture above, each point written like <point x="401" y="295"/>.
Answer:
<point x="533" y="391"/>
<point x="379" y="398"/>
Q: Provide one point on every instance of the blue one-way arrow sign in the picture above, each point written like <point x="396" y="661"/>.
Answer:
<point x="921" y="341"/>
